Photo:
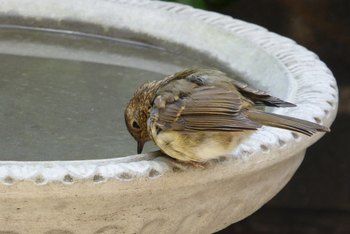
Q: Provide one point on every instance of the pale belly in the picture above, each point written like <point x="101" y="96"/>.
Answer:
<point x="198" y="146"/>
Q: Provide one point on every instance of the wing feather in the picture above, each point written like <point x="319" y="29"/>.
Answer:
<point x="207" y="108"/>
<point x="259" y="97"/>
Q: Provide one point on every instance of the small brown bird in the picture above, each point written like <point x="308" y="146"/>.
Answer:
<point x="199" y="114"/>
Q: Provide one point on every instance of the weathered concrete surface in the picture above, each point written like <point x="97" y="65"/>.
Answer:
<point x="192" y="201"/>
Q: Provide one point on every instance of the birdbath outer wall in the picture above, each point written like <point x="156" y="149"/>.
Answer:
<point x="148" y="193"/>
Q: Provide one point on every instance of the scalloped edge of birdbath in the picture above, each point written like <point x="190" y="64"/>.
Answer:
<point x="271" y="151"/>
<point x="316" y="102"/>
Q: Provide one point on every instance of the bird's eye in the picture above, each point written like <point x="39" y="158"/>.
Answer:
<point x="135" y="125"/>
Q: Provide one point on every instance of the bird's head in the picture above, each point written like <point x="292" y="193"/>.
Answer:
<point x="137" y="113"/>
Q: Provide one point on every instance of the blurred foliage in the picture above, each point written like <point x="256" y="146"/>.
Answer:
<point x="195" y="3"/>
<point x="203" y="4"/>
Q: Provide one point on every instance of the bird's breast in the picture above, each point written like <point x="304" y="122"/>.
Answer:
<point x="198" y="146"/>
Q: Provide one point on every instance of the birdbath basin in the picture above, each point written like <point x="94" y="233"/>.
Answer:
<point x="67" y="163"/>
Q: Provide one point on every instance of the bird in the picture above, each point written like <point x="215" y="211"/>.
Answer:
<point x="197" y="115"/>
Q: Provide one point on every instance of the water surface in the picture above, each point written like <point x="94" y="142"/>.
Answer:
<point x="62" y="96"/>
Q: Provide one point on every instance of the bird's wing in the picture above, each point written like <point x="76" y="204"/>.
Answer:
<point x="260" y="97"/>
<point x="215" y="77"/>
<point x="206" y="108"/>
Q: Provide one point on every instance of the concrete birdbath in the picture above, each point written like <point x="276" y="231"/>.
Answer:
<point x="67" y="71"/>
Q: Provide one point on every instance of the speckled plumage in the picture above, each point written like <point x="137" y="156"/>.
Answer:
<point x="200" y="114"/>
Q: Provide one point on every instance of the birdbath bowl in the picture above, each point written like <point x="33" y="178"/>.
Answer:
<point x="67" y="163"/>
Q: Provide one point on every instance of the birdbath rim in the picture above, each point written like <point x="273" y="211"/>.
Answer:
<point x="312" y="86"/>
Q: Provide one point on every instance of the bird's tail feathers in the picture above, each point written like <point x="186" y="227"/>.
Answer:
<point x="286" y="122"/>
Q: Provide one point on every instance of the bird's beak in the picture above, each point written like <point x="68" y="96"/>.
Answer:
<point x="140" y="145"/>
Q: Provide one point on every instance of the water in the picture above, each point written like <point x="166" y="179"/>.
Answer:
<point x="62" y="96"/>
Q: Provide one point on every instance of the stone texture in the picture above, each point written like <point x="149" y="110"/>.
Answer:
<point x="192" y="201"/>
<point x="147" y="193"/>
